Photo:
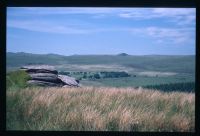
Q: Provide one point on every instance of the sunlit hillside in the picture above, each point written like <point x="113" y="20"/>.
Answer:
<point x="99" y="109"/>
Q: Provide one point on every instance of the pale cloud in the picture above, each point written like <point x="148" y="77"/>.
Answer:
<point x="158" y="34"/>
<point x="164" y="32"/>
<point x="143" y="13"/>
<point x="171" y="34"/>
<point x="61" y="10"/>
<point x="166" y="35"/>
<point x="67" y="28"/>
<point x="158" y="12"/>
<point x="41" y="26"/>
<point x="137" y="14"/>
<point x="173" y="11"/>
<point x="181" y="16"/>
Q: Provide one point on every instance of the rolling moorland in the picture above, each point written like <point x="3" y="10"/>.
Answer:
<point x="119" y="93"/>
<point x="104" y="70"/>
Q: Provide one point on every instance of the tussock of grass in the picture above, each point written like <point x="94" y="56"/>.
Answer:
<point x="100" y="109"/>
<point x="16" y="80"/>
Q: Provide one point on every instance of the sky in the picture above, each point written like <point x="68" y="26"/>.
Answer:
<point x="71" y="30"/>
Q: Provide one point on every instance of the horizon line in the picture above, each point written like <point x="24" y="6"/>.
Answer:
<point x="104" y="54"/>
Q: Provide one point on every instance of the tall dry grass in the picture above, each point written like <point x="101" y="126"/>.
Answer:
<point x="100" y="109"/>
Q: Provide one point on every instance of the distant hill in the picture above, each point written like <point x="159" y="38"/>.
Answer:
<point x="123" y="54"/>
<point x="173" y="63"/>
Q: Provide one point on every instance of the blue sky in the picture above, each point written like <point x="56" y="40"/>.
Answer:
<point x="68" y="31"/>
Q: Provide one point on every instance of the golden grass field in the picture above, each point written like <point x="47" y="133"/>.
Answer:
<point x="100" y="109"/>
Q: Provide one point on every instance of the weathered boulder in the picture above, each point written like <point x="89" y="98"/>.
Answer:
<point x="45" y="75"/>
<point x="42" y="83"/>
<point x="49" y="77"/>
<point x="47" y="67"/>
<point x="39" y="69"/>
<point x="68" y="80"/>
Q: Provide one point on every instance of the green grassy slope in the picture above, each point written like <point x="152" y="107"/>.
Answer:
<point x="99" y="109"/>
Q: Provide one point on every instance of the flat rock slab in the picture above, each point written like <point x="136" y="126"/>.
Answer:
<point x="49" y="77"/>
<point x="68" y="80"/>
<point x="39" y="69"/>
<point x="43" y="75"/>
<point x="47" y="67"/>
<point x="42" y="83"/>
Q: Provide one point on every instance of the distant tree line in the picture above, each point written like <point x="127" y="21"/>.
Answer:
<point x="96" y="75"/>
<point x="114" y="74"/>
<point x="64" y="73"/>
<point x="183" y="87"/>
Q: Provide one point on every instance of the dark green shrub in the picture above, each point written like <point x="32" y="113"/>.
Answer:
<point x="16" y="79"/>
<point x="97" y="76"/>
<point x="114" y="74"/>
<point x="183" y="87"/>
<point x="64" y="73"/>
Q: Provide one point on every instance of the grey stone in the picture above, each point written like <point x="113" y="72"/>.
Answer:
<point x="39" y="69"/>
<point x="68" y="80"/>
<point x="45" y="77"/>
<point x="47" y="67"/>
<point x="66" y="86"/>
<point x="42" y="83"/>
